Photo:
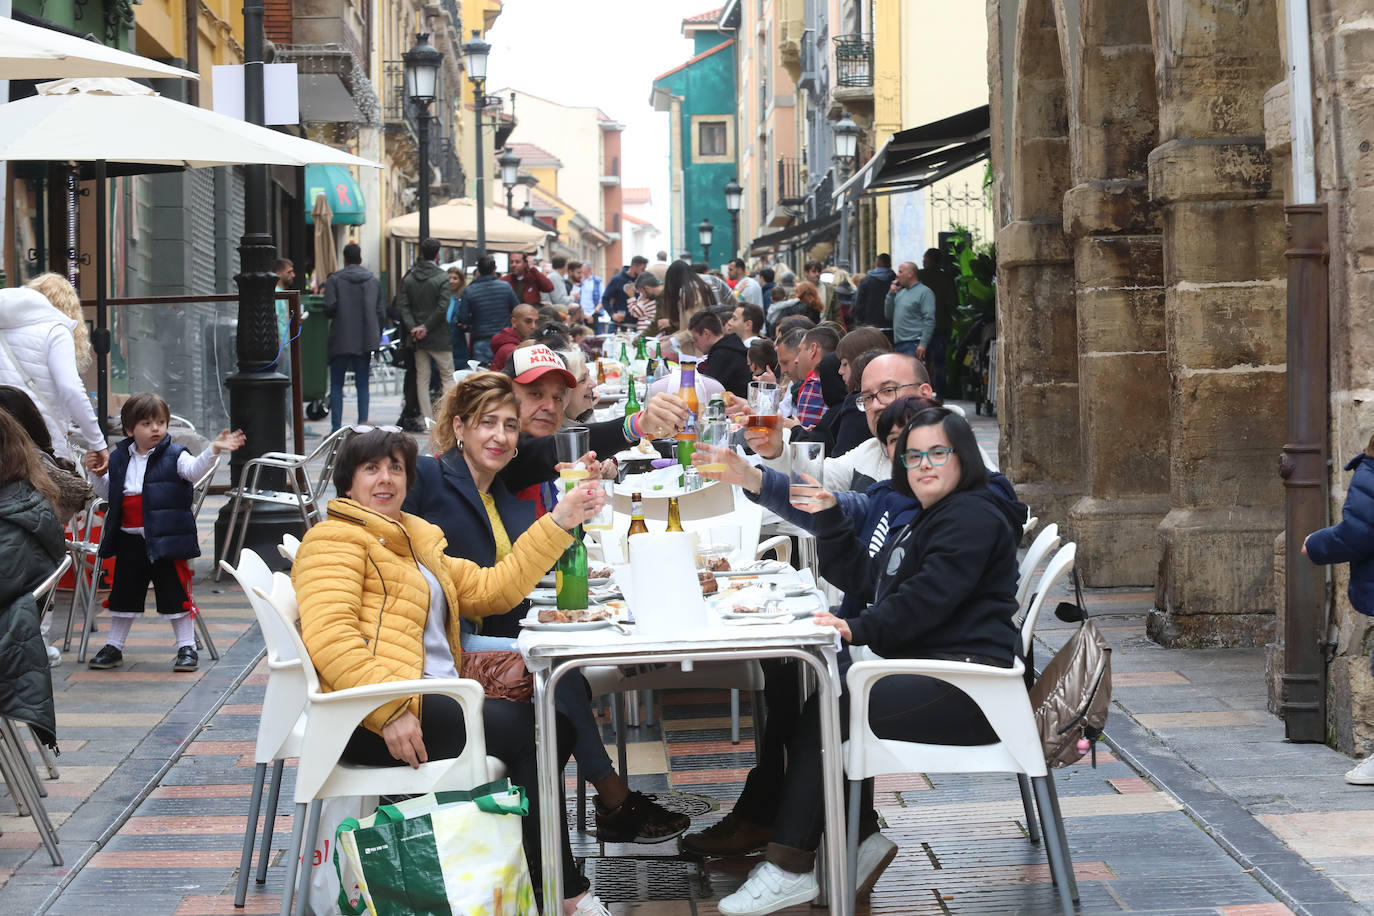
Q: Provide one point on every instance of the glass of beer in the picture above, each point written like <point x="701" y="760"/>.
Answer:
<point x="570" y="445"/>
<point x="764" y="398"/>
<point x="715" y="433"/>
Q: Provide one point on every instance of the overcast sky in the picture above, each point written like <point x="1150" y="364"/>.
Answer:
<point x="604" y="53"/>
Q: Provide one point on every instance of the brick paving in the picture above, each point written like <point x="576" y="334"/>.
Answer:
<point x="1197" y="807"/>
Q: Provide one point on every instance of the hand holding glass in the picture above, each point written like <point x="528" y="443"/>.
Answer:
<point x="716" y="434"/>
<point x="764" y="398"/>
<point x="807" y="469"/>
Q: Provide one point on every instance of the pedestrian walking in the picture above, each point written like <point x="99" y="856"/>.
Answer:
<point x="44" y="346"/>
<point x="1352" y="541"/>
<point x="353" y="305"/>
<point x="150" y="529"/>
<point x="423" y="304"/>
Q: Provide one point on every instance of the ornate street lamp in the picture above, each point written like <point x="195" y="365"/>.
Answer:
<point x="422" y="63"/>
<point x="734" y="198"/>
<point x="475" y="52"/>
<point x="704" y="232"/>
<point x="846" y="148"/>
<point x="526" y="214"/>
<point x="510" y="175"/>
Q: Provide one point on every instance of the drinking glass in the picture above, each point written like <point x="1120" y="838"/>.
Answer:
<point x="764" y="398"/>
<point x="715" y="433"/>
<point x="604" y="519"/>
<point x="718" y="541"/>
<point x="807" y="458"/>
<point x="570" y="444"/>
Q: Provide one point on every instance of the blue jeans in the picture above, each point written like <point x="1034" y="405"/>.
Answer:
<point x="935" y="360"/>
<point x="906" y="346"/>
<point x="459" y="335"/>
<point x="481" y="351"/>
<point x="359" y="364"/>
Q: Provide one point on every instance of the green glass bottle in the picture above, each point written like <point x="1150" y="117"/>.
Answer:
<point x="571" y="574"/>
<point x="632" y="402"/>
<point x="640" y="352"/>
<point x="624" y="354"/>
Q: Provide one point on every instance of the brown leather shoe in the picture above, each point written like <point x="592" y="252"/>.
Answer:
<point x="730" y="836"/>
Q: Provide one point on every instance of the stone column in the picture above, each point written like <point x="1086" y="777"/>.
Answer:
<point x="1122" y="370"/>
<point x="1041" y="447"/>
<point x="1225" y="322"/>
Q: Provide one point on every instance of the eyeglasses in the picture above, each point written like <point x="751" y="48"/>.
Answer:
<point x="938" y="456"/>
<point x="882" y="397"/>
<point x="368" y="429"/>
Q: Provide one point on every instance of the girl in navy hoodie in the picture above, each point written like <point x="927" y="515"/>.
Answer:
<point x="1352" y="541"/>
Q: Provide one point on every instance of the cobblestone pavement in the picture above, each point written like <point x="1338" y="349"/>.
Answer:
<point x="1197" y="807"/>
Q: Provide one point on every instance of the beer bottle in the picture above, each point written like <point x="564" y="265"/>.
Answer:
<point x="632" y="402"/>
<point x="674" y="516"/>
<point x="637" y="525"/>
<point x="600" y="372"/>
<point x="624" y="355"/>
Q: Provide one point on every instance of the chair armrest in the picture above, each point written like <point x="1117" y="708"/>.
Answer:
<point x="464" y="690"/>
<point x="779" y="542"/>
<point x="281" y="456"/>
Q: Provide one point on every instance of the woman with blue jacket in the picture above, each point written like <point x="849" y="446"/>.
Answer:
<point x="460" y="490"/>
<point x="1352" y="541"/>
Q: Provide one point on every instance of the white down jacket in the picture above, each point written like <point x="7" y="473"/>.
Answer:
<point x="40" y="337"/>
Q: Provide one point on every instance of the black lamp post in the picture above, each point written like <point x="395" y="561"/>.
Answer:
<point x="704" y="232"/>
<point x="422" y="64"/>
<point x="846" y="147"/>
<point x="475" y="53"/>
<point x="734" y="197"/>
<point x="509" y="164"/>
<point x="526" y="214"/>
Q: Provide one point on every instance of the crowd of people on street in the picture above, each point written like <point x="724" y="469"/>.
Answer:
<point x="424" y="560"/>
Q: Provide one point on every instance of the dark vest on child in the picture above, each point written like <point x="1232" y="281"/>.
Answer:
<point x="169" y="528"/>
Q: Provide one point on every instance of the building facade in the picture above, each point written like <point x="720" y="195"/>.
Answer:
<point x="1143" y="158"/>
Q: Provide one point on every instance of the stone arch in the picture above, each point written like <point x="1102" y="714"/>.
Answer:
<point x="1225" y="320"/>
<point x="1119" y="289"/>
<point x="1038" y="384"/>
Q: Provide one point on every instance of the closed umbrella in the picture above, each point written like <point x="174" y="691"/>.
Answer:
<point x="119" y="121"/>
<point x="29" y="52"/>
<point x="324" y="240"/>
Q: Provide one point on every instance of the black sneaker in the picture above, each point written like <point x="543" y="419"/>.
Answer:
<point x="108" y="657"/>
<point x="639" y="819"/>
<point x="187" y="659"/>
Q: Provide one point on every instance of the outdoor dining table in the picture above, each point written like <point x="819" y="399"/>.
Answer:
<point x="550" y="655"/>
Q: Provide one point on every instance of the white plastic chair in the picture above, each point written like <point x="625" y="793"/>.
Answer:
<point x="1060" y="565"/>
<point x="330" y="721"/>
<point x="288" y="547"/>
<point x="308" y="500"/>
<point x="1001" y="695"/>
<point x="281" y="724"/>
<point x="1045" y="542"/>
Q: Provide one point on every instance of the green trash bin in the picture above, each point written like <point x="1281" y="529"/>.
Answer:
<point x="314" y="357"/>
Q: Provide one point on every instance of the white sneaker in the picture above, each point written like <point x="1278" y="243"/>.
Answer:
<point x="54" y="656"/>
<point x="591" y="905"/>
<point x="1362" y="775"/>
<point x="875" y="854"/>
<point x="768" y="890"/>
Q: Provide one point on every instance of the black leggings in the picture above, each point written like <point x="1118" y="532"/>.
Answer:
<point x="509" y="730"/>
<point x="903" y="708"/>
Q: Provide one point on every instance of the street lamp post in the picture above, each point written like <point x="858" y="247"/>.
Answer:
<point x="422" y="77"/>
<point x="846" y="147"/>
<point x="734" y="197"/>
<point x="509" y="164"/>
<point x="526" y="214"/>
<point x="704" y="232"/>
<point x="475" y="52"/>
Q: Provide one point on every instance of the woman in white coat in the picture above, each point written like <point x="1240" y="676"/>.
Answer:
<point x="43" y="343"/>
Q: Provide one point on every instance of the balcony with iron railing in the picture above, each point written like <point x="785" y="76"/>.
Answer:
<point x="854" y="66"/>
<point x="397" y="109"/>
<point x="791" y="190"/>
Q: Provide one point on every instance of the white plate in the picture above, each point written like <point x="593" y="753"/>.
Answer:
<point x="532" y="622"/>
<point x="634" y="454"/>
<point x="756" y="595"/>
<point x="548" y="596"/>
<point x="761" y="568"/>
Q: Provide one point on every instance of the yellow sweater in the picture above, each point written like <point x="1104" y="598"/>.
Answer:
<point x="363" y="601"/>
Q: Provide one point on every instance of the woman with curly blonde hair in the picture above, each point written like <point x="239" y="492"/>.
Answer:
<point x="43" y="346"/>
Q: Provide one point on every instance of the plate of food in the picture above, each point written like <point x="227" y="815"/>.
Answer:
<point x="597" y="577"/>
<point x="593" y="618"/>
<point x="757" y="568"/>
<point x="758" y="601"/>
<point x="642" y="451"/>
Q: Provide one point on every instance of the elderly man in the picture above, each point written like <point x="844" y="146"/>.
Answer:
<point x="887" y="377"/>
<point x="910" y="306"/>
<point x="523" y="319"/>
<point x="542" y="383"/>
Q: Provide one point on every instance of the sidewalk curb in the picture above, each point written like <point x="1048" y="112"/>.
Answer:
<point x="1279" y="869"/>
<point x="210" y="692"/>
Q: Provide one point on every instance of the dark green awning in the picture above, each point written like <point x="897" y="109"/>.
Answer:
<point x="339" y="186"/>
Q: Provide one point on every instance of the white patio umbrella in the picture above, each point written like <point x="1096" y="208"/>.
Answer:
<point x="105" y="120"/>
<point x="28" y="52"/>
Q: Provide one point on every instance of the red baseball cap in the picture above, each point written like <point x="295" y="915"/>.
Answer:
<point x="528" y="364"/>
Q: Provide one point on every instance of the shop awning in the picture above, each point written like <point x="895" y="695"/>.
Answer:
<point x="810" y="229"/>
<point x="340" y="188"/>
<point x="916" y="157"/>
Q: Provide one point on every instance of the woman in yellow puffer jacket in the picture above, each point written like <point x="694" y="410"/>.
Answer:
<point x="380" y="601"/>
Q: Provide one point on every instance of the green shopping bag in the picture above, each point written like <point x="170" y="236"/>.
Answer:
<point x="444" y="854"/>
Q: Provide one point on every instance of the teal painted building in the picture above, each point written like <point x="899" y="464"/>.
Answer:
<point x="700" y="97"/>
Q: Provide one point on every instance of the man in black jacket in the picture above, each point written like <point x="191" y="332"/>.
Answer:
<point x="727" y="359"/>
<point x="869" y="300"/>
<point x="353" y="305"/>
